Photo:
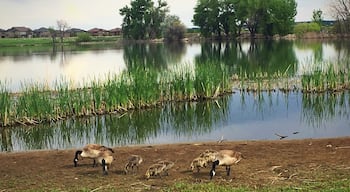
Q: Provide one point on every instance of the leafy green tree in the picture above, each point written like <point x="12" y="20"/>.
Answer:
<point x="207" y="17"/>
<point x="317" y="17"/>
<point x="142" y="19"/>
<point x="173" y="29"/>
<point x="268" y="17"/>
<point x="282" y="17"/>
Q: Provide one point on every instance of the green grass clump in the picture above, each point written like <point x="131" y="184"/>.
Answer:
<point x="134" y="89"/>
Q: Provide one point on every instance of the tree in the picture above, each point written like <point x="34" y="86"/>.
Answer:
<point x="53" y="34"/>
<point x="173" y="29"/>
<point x="317" y="17"/>
<point x="206" y="16"/>
<point x="62" y="26"/>
<point x="282" y="14"/>
<point x="268" y="17"/>
<point x="142" y="19"/>
<point x="340" y="9"/>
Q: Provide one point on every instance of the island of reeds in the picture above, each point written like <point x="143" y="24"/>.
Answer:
<point x="141" y="87"/>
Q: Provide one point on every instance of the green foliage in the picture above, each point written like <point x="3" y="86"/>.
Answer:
<point x="228" y="16"/>
<point x="174" y="30"/>
<point x="302" y="28"/>
<point x="143" y="19"/>
<point x="206" y="16"/>
<point x="83" y="37"/>
<point x="317" y="16"/>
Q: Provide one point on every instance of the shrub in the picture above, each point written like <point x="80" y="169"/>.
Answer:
<point x="302" y="28"/>
<point x="83" y="37"/>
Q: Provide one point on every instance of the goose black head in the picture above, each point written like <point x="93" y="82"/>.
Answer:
<point x="76" y="157"/>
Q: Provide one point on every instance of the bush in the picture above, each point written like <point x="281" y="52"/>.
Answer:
<point x="175" y="32"/>
<point x="83" y="37"/>
<point x="303" y="28"/>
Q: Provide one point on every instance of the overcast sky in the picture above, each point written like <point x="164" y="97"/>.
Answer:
<point x="87" y="14"/>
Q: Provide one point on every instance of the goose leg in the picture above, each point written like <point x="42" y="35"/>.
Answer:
<point x="104" y="167"/>
<point x="228" y="170"/>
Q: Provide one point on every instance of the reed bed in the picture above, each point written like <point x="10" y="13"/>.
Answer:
<point x="142" y="87"/>
<point x="319" y="81"/>
<point x="134" y="89"/>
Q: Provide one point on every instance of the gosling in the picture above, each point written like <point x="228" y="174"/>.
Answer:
<point x="168" y="165"/>
<point x="198" y="163"/>
<point x="155" y="170"/>
<point x="92" y="151"/>
<point x="225" y="158"/>
<point x="133" y="161"/>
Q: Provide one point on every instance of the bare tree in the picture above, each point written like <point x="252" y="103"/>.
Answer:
<point x="62" y="26"/>
<point x="340" y="9"/>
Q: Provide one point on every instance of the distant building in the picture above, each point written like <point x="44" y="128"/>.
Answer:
<point x="19" y="32"/>
<point x="42" y="32"/>
<point x="98" y="32"/>
<point x="115" y="32"/>
<point x="74" y="31"/>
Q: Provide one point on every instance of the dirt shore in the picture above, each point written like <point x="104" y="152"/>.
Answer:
<point x="265" y="163"/>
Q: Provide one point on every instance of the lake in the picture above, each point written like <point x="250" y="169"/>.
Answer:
<point x="239" y="116"/>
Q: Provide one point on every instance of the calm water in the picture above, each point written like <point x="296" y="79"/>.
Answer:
<point x="235" y="117"/>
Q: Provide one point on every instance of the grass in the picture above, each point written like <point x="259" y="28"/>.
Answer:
<point x="326" y="186"/>
<point x="15" y="42"/>
<point x="142" y="87"/>
<point x="135" y="89"/>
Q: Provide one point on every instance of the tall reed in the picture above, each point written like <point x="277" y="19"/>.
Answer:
<point x="5" y="104"/>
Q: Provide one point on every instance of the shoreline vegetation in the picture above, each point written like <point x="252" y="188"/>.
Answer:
<point x="141" y="88"/>
<point x="146" y="88"/>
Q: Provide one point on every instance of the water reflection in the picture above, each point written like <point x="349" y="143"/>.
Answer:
<point x="241" y="116"/>
<point x="81" y="64"/>
<point x="252" y="57"/>
<point x="155" y="55"/>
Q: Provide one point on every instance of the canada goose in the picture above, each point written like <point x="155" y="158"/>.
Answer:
<point x="198" y="162"/>
<point x="225" y="158"/>
<point x="133" y="161"/>
<point x="105" y="160"/>
<point x="154" y="170"/>
<point x="281" y="136"/>
<point x="92" y="151"/>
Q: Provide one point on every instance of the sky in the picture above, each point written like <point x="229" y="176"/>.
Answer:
<point x="87" y="14"/>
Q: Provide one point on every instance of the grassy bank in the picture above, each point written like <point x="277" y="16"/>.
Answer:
<point x="19" y="42"/>
<point x="324" y="186"/>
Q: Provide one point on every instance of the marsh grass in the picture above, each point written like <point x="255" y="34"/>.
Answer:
<point x="134" y="89"/>
<point x="5" y="103"/>
<point x="147" y="87"/>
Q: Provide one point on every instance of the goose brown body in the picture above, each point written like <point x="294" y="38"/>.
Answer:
<point x="225" y="158"/>
<point x="92" y="151"/>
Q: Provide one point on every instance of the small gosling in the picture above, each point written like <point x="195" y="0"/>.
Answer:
<point x="133" y="161"/>
<point x="168" y="165"/>
<point x="198" y="163"/>
<point x="155" y="170"/>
